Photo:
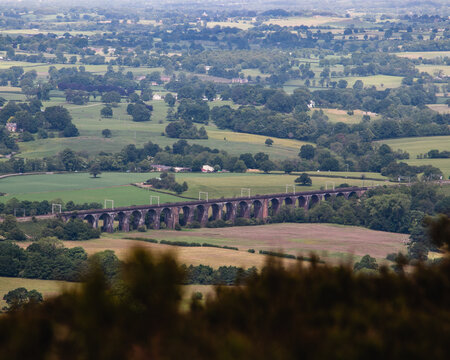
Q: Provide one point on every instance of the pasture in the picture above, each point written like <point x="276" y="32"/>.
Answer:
<point x="421" y="145"/>
<point x="125" y="131"/>
<point x="381" y="82"/>
<point x="81" y="187"/>
<point x="336" y="115"/>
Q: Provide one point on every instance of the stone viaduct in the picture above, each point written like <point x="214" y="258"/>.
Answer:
<point x="202" y="211"/>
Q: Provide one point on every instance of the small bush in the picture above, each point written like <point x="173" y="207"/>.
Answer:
<point x="217" y="224"/>
<point x="180" y="243"/>
<point x="242" y="222"/>
<point x="141" y="229"/>
<point x="194" y="225"/>
<point x="251" y="251"/>
<point x="230" y="247"/>
<point x="277" y="254"/>
<point x="142" y="239"/>
<point x="177" y="227"/>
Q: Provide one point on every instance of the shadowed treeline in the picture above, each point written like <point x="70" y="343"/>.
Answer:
<point x="314" y="312"/>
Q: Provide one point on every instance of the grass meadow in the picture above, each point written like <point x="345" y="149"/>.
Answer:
<point x="336" y="115"/>
<point x="421" y="145"/>
<point x="81" y="187"/>
<point x="47" y="288"/>
<point x="125" y="131"/>
<point x="50" y="288"/>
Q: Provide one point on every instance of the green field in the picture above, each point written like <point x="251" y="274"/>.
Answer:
<point x="379" y="81"/>
<point x="421" y="145"/>
<point x="125" y="131"/>
<point x="47" y="288"/>
<point x="80" y="187"/>
<point x="336" y="115"/>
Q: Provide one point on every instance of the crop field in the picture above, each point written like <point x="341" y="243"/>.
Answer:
<point x="434" y="69"/>
<point x="307" y="21"/>
<point x="440" y="108"/>
<point x="334" y="243"/>
<point x="81" y="187"/>
<point x="423" y="54"/>
<point x="336" y="115"/>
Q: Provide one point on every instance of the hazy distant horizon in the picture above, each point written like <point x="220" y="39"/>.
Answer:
<point x="330" y="5"/>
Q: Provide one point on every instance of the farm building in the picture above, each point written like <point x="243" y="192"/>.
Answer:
<point x="207" y="169"/>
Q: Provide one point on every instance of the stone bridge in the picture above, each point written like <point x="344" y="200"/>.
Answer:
<point x="202" y="211"/>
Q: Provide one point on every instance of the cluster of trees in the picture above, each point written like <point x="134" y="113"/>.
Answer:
<point x="74" y="229"/>
<point x="10" y="230"/>
<point x="206" y="275"/>
<point x="44" y="259"/>
<point x="31" y="120"/>
<point x="18" y="298"/>
<point x="32" y="208"/>
<point x="399" y="209"/>
<point x="167" y="181"/>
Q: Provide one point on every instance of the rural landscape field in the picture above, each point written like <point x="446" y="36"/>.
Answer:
<point x="243" y="180"/>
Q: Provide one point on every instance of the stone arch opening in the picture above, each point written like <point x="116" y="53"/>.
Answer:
<point x="216" y="212"/>
<point x="199" y="213"/>
<point x="243" y="209"/>
<point x="90" y="219"/>
<point x="288" y="201"/>
<point x="257" y="209"/>
<point x="228" y="214"/>
<point x="183" y="217"/>
<point x="327" y="197"/>
<point x="352" y="196"/>
<point x="166" y="217"/>
<point x="313" y="201"/>
<point x="302" y="201"/>
<point x="107" y="222"/>
<point x="150" y="219"/>
<point x="123" y="221"/>
<point x="274" y="206"/>
<point x="135" y="219"/>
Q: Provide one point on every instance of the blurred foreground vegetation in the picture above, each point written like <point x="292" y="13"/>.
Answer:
<point x="315" y="311"/>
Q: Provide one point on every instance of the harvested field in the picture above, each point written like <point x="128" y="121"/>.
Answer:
<point x="333" y="243"/>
